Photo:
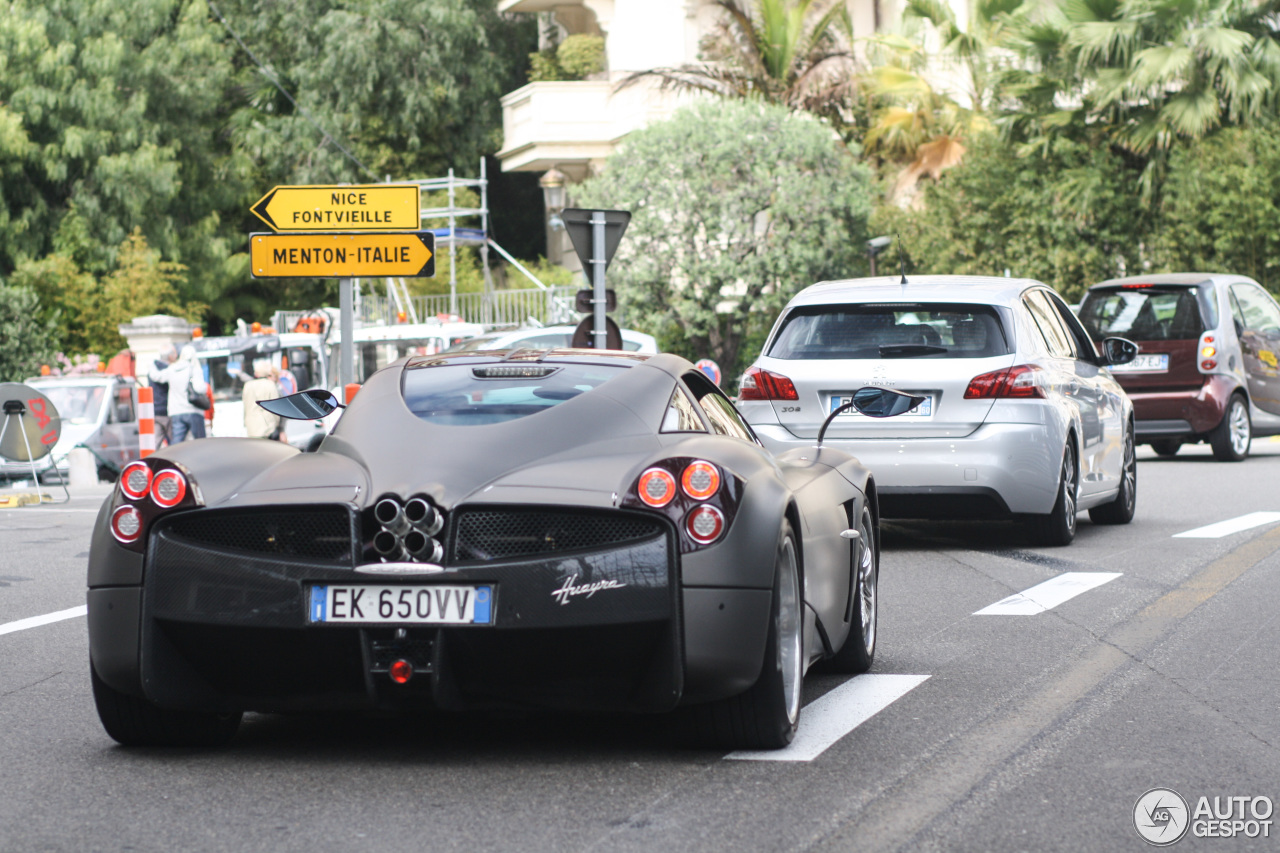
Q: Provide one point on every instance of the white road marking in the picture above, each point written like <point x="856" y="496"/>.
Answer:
<point x="1231" y="525"/>
<point x="1047" y="595"/>
<point x="833" y="715"/>
<point x="37" y="621"/>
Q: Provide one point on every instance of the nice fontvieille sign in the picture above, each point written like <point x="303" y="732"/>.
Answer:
<point x="342" y="231"/>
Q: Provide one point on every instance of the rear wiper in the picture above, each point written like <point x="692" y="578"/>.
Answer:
<point x="911" y="349"/>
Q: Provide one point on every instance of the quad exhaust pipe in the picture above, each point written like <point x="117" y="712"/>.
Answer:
<point x="407" y="530"/>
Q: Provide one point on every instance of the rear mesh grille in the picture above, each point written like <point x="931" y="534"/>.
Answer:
<point x="320" y="533"/>
<point x="502" y="534"/>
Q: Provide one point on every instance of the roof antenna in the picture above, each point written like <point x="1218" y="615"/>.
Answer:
<point x="902" y="259"/>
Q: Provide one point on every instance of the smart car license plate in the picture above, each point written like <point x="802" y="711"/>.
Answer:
<point x="924" y="410"/>
<point x="402" y="605"/>
<point x="1144" y="363"/>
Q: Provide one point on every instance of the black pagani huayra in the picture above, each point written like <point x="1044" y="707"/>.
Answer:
<point x="568" y="529"/>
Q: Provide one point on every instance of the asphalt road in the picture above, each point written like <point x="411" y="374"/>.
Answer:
<point x="1020" y="732"/>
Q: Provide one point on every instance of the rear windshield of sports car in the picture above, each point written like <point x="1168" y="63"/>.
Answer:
<point x="473" y="394"/>
<point x="1147" y="312"/>
<point x="898" y="330"/>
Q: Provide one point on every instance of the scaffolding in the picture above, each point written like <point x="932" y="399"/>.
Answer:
<point x="491" y="308"/>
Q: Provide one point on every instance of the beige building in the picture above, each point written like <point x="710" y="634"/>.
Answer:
<point x="565" y="130"/>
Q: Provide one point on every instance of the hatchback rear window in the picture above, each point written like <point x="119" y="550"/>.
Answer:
<point x="898" y="330"/>
<point x="474" y="393"/>
<point x="1143" y="313"/>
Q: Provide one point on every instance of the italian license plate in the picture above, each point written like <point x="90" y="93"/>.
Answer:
<point x="923" y="410"/>
<point x="1144" y="363"/>
<point x="401" y="605"/>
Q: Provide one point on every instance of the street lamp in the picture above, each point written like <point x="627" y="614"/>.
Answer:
<point x="553" y="192"/>
<point x="875" y="246"/>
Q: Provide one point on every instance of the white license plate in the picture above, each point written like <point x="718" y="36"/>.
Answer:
<point x="402" y="605"/>
<point x="1144" y="363"/>
<point x="924" y="410"/>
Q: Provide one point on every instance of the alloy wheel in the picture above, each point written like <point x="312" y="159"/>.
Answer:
<point x="867" y="590"/>
<point x="1240" y="430"/>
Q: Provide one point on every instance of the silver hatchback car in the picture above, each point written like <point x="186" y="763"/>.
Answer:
<point x="1021" y="417"/>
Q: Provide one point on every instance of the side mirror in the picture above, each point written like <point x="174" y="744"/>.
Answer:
<point x="1119" y="350"/>
<point x="884" y="402"/>
<point x="304" y="406"/>
<point x="875" y="403"/>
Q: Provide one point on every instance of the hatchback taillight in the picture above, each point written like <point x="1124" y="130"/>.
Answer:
<point x="760" y="384"/>
<point x="1208" y="353"/>
<point x="1021" y="381"/>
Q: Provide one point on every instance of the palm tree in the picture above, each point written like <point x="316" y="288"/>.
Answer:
<point x="1144" y="74"/>
<point x="795" y="53"/>
<point x="916" y="123"/>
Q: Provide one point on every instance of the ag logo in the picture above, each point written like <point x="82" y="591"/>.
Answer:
<point x="1161" y="816"/>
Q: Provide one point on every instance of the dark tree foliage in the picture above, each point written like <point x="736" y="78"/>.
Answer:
<point x="26" y="340"/>
<point x="1069" y="218"/>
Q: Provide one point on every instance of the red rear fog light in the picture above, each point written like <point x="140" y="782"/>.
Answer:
<point x="401" y="671"/>
<point x="126" y="524"/>
<point x="705" y="524"/>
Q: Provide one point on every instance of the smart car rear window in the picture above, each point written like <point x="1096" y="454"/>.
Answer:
<point x="473" y="394"/>
<point x="1143" y="313"/>
<point x="897" y="330"/>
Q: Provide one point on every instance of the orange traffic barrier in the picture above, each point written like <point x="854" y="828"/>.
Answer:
<point x="351" y="390"/>
<point x="146" y="422"/>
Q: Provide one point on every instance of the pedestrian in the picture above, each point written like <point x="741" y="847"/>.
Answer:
<point x="258" y="422"/>
<point x="160" y="396"/>
<point x="288" y="384"/>
<point x="185" y="379"/>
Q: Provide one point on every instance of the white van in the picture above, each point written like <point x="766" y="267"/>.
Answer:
<point x="99" y="411"/>
<point x="228" y="364"/>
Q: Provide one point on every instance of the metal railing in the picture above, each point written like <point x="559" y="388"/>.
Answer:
<point x="499" y="309"/>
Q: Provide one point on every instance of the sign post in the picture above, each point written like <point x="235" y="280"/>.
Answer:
<point x="595" y="235"/>
<point x="342" y="232"/>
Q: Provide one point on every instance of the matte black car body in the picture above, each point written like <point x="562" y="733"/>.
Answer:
<point x="207" y="613"/>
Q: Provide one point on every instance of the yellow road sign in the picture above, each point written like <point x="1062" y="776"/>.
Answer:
<point x="343" y="255"/>
<point x="359" y="207"/>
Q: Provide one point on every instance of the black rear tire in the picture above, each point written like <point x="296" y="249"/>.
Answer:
<point x="1120" y="510"/>
<point x="1058" y="528"/>
<point x="765" y="716"/>
<point x="1166" y="446"/>
<point x="1232" y="437"/>
<point x="859" y="649"/>
<point x="134" y="721"/>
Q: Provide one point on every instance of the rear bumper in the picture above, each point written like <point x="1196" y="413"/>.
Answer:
<point x="1182" y="414"/>
<point x="219" y="628"/>
<point x="1007" y="467"/>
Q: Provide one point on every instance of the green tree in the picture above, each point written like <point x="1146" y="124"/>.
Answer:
<point x="795" y="53"/>
<point x="1069" y="218"/>
<point x="1142" y="75"/>
<point x="1220" y="208"/>
<point x="735" y="207"/>
<point x="118" y="111"/>
<point x="26" y="338"/>
<point x="375" y="87"/>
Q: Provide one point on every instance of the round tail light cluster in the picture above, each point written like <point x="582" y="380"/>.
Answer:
<point x="146" y="488"/>
<point x="693" y="495"/>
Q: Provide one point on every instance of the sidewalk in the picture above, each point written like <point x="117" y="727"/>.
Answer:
<point x="21" y="493"/>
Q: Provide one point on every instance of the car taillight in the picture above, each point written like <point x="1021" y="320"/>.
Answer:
<point x="657" y="487"/>
<point x="704" y="525"/>
<point x="760" y="384"/>
<point x="1021" y="381"/>
<point x="126" y="524"/>
<point x="1208" y="353"/>
<point x="700" y="480"/>
<point x="168" y="488"/>
<point x="135" y="480"/>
